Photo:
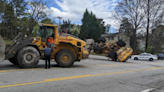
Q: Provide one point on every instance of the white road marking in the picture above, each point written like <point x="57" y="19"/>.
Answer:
<point x="148" y="90"/>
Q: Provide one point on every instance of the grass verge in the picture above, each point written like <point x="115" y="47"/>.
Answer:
<point x="7" y="41"/>
<point x="92" y="53"/>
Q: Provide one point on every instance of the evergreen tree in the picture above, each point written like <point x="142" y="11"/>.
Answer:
<point x="91" y="27"/>
<point x="102" y="26"/>
<point x="10" y="14"/>
<point x="66" y="25"/>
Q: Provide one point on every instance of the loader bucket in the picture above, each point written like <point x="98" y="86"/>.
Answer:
<point x="89" y="44"/>
<point x="2" y="49"/>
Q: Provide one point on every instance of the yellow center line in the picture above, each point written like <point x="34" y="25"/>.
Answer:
<point x="23" y="69"/>
<point x="83" y="66"/>
<point x="76" y="77"/>
<point x="156" y="63"/>
<point x="26" y="69"/>
<point x="149" y="63"/>
<point x="114" y="64"/>
<point x="2" y="71"/>
<point x="107" y="65"/>
<point x="57" y="67"/>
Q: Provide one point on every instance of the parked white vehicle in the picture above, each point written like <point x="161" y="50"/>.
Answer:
<point x="144" y="56"/>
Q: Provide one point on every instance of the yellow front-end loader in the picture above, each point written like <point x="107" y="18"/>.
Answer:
<point x="117" y="51"/>
<point x="27" y="51"/>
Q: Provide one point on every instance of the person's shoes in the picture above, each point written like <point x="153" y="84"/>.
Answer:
<point x="45" y="67"/>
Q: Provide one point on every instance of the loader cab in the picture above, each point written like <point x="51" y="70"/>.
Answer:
<point x="46" y="31"/>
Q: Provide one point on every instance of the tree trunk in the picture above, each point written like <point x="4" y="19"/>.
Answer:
<point x="147" y="36"/>
<point x="134" y="41"/>
<point x="147" y="28"/>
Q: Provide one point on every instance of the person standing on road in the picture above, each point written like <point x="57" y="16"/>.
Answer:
<point x="47" y="55"/>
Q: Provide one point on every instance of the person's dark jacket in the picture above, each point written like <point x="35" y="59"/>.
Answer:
<point x="47" y="51"/>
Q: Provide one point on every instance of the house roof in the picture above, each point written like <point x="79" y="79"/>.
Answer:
<point x="108" y="35"/>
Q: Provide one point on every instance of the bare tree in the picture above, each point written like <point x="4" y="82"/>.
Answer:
<point x="21" y="15"/>
<point x="131" y="9"/>
<point x="37" y="12"/>
<point x="157" y="39"/>
<point x="154" y="16"/>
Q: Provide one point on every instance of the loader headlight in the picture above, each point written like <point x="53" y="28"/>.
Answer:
<point x="34" y="38"/>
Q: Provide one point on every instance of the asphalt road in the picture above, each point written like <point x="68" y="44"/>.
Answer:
<point x="97" y="74"/>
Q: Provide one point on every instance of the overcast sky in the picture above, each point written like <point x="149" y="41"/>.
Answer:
<point x="74" y="10"/>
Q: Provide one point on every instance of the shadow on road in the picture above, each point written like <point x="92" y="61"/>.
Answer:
<point x="12" y="67"/>
<point x="15" y="67"/>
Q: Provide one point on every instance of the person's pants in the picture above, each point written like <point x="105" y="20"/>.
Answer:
<point x="47" y="59"/>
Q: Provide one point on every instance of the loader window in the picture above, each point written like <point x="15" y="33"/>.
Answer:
<point x="111" y="38"/>
<point x="45" y="31"/>
<point x="49" y="32"/>
<point x="42" y="33"/>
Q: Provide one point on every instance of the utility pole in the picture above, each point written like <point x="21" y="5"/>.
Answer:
<point x="148" y="25"/>
<point x="108" y="28"/>
<point x="59" y="22"/>
<point x="59" y="19"/>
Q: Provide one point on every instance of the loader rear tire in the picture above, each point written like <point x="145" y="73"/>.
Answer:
<point x="102" y="39"/>
<point x="28" y="57"/>
<point x="65" y="58"/>
<point x="97" y="50"/>
<point x="121" y="43"/>
<point x="125" y="61"/>
<point x="14" y="60"/>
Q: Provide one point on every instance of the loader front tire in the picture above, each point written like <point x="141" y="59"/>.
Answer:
<point x="65" y="58"/>
<point x="28" y="57"/>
